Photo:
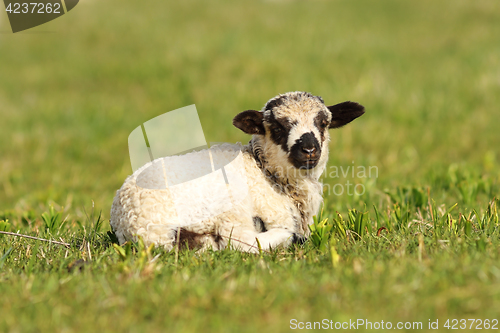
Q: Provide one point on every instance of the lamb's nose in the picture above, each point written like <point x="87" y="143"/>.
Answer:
<point x="308" y="150"/>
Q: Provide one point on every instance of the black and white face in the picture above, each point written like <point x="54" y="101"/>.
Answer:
<point x="295" y="127"/>
<point x="300" y="130"/>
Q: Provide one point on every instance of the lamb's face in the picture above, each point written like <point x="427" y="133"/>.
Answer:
<point x="295" y="126"/>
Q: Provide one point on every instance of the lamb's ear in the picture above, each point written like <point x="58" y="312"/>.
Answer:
<point x="344" y="113"/>
<point x="250" y="122"/>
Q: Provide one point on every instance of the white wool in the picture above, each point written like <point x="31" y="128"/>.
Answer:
<point x="153" y="213"/>
<point x="219" y="194"/>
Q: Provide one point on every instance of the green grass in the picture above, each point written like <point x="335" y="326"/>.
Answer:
<point x="421" y="242"/>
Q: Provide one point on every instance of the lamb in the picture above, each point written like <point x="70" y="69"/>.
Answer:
<point x="281" y="166"/>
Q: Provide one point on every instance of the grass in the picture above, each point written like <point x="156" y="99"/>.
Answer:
<point x="419" y="243"/>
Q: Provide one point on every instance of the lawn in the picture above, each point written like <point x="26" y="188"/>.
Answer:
<point x="418" y="242"/>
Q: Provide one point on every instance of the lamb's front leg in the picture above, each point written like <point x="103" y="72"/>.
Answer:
<point x="246" y="239"/>
<point x="279" y="237"/>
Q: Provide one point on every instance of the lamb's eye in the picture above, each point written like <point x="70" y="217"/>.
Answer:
<point x="324" y="124"/>
<point x="277" y="130"/>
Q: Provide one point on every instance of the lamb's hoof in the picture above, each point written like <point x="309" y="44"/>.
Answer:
<point x="298" y="239"/>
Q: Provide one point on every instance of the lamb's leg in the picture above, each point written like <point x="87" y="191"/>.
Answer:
<point x="246" y="239"/>
<point x="279" y="237"/>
